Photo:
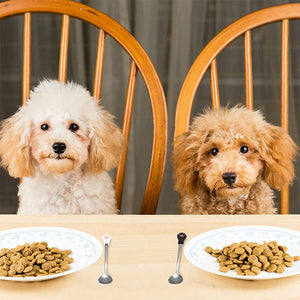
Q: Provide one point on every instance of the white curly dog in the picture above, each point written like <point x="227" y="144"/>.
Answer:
<point x="62" y="143"/>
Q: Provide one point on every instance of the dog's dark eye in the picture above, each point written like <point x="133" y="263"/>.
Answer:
<point x="244" y="149"/>
<point x="214" y="151"/>
<point x="45" y="127"/>
<point x="74" y="127"/>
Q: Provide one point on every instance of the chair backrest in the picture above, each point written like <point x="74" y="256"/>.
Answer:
<point x="139" y="62"/>
<point x="207" y="60"/>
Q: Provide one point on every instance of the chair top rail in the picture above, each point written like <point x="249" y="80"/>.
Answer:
<point x="215" y="46"/>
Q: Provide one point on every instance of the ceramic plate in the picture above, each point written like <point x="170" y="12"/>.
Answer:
<point x="86" y="249"/>
<point x="217" y="239"/>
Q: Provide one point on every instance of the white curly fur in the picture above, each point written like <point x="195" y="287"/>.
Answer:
<point x="75" y="181"/>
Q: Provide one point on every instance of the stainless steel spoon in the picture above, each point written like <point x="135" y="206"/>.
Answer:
<point x="105" y="278"/>
<point x="177" y="278"/>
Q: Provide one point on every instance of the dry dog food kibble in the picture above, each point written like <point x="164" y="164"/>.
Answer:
<point x="249" y="259"/>
<point x="36" y="259"/>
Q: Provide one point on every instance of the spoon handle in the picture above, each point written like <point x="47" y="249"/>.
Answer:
<point x="105" y="259"/>
<point x="106" y="240"/>
<point x="181" y="236"/>
<point x="178" y="257"/>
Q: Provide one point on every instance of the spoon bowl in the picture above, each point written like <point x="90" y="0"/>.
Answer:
<point x="105" y="278"/>
<point x="175" y="278"/>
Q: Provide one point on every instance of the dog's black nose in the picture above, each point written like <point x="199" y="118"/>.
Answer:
<point x="229" y="177"/>
<point x="59" y="148"/>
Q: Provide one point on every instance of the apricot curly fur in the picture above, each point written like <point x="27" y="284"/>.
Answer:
<point x="267" y="162"/>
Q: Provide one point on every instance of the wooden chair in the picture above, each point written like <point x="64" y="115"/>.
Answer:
<point x="207" y="60"/>
<point x="139" y="62"/>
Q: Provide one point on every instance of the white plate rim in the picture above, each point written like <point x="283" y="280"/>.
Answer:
<point x="97" y="244"/>
<point x="230" y="274"/>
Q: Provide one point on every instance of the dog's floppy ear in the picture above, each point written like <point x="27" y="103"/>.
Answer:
<point x="278" y="153"/>
<point x="14" y="146"/>
<point x="184" y="159"/>
<point x="107" y="143"/>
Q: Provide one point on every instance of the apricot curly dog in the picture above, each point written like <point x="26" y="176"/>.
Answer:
<point x="227" y="161"/>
